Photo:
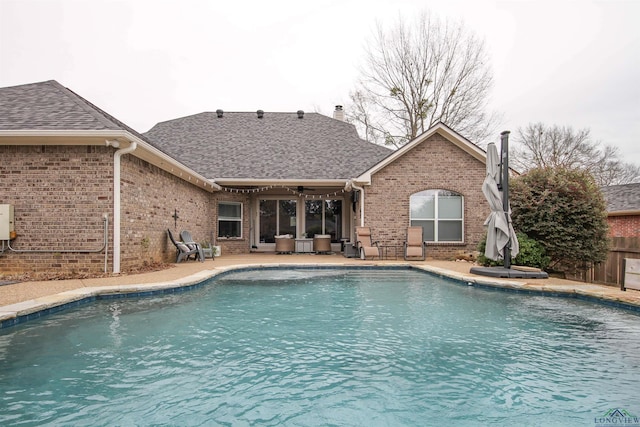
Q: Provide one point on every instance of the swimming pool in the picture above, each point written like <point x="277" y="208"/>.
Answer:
<point x="323" y="347"/>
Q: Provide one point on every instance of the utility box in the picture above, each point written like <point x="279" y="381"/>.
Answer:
<point x="6" y="222"/>
<point x="631" y="279"/>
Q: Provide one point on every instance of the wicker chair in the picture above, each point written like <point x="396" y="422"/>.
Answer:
<point x="285" y="244"/>
<point x="322" y="243"/>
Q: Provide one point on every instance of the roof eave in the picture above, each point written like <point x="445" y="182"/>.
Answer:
<point x="288" y="181"/>
<point x="144" y="150"/>
<point x="624" y="213"/>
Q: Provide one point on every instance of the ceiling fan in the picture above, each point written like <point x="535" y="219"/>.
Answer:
<point x="302" y="188"/>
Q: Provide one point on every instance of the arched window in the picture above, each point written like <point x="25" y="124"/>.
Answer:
<point x="440" y="213"/>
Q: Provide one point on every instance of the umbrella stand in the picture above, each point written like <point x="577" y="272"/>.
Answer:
<point x="504" y="166"/>
<point x="507" y="271"/>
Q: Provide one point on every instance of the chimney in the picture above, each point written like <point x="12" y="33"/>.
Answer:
<point x="260" y="114"/>
<point x="219" y="113"/>
<point x="300" y="114"/>
<point x="338" y="114"/>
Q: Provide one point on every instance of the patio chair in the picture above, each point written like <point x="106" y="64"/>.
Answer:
<point x="207" y="250"/>
<point x="191" y="244"/>
<point x="322" y="243"/>
<point x="182" y="250"/>
<point x="285" y="244"/>
<point x="366" y="247"/>
<point x="414" y="247"/>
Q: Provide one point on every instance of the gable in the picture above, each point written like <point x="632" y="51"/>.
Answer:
<point x="444" y="131"/>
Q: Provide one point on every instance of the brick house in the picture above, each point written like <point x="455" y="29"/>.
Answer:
<point x="623" y="209"/>
<point x="90" y="194"/>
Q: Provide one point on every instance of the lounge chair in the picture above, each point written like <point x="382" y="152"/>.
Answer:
<point x="366" y="248"/>
<point x="191" y="244"/>
<point x="285" y="244"/>
<point x="182" y="250"/>
<point x="414" y="246"/>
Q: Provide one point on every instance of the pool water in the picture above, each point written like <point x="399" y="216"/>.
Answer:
<point x="323" y="347"/>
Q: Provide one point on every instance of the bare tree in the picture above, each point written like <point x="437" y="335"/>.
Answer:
<point x="416" y="76"/>
<point x="539" y="146"/>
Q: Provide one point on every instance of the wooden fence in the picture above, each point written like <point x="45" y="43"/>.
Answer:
<point x="611" y="272"/>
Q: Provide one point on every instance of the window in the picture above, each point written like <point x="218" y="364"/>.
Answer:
<point x="230" y="219"/>
<point x="440" y="213"/>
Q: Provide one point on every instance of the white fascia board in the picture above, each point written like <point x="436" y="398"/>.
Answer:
<point x="143" y="151"/>
<point x="283" y="182"/>
<point x="171" y="165"/>
<point x="56" y="137"/>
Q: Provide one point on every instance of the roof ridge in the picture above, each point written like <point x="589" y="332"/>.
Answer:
<point x="84" y="104"/>
<point x="102" y="115"/>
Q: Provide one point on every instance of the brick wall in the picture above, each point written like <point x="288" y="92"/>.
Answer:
<point x="624" y="226"/>
<point x="60" y="194"/>
<point x="149" y="199"/>
<point x="434" y="164"/>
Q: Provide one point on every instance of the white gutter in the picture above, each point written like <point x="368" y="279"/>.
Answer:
<point x="116" y="198"/>
<point x="59" y="133"/>
<point x="145" y="151"/>
<point x="278" y="182"/>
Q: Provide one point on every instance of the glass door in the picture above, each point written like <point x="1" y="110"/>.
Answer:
<point x="277" y="217"/>
<point x="323" y="217"/>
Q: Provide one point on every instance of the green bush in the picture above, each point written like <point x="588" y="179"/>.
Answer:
<point x="532" y="254"/>
<point x="563" y="210"/>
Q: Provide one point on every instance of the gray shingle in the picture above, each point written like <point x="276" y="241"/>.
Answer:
<point x="277" y="146"/>
<point x="51" y="106"/>
<point x="622" y="197"/>
<point x="48" y="106"/>
<point x="238" y="145"/>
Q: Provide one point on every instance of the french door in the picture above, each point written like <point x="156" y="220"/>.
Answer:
<point x="277" y="217"/>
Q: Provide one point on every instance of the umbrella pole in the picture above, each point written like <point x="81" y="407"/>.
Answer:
<point x="504" y="154"/>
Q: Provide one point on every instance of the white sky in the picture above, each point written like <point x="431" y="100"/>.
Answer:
<point x="571" y="63"/>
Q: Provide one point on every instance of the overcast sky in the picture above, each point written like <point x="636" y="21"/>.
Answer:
<point x="571" y="63"/>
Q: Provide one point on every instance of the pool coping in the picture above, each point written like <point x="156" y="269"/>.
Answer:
<point x="21" y="312"/>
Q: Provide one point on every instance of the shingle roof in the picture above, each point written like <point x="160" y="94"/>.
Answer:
<point x="277" y="146"/>
<point x="238" y="145"/>
<point x="50" y="106"/>
<point x="622" y="197"/>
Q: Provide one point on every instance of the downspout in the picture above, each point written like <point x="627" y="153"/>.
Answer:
<point x="116" y="198"/>
<point x="352" y="184"/>
<point x="361" y="190"/>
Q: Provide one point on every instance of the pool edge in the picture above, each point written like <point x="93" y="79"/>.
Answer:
<point x="14" y="314"/>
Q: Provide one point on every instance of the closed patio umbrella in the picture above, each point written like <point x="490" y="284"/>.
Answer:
<point x="499" y="229"/>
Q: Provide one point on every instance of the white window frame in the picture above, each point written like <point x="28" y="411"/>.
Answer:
<point x="226" y="218"/>
<point x="436" y="220"/>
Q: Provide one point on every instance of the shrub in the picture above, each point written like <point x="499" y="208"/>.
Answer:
<point x="563" y="210"/>
<point x="532" y="254"/>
